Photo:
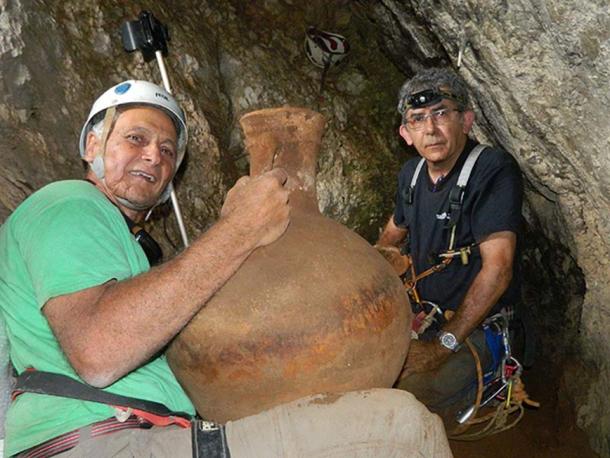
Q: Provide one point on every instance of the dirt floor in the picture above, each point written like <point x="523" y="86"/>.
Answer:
<point x="547" y="432"/>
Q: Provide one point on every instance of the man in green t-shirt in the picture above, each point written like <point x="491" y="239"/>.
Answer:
<point x="81" y="303"/>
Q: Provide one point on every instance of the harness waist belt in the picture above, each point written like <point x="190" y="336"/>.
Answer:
<point x="70" y="440"/>
<point x="40" y="382"/>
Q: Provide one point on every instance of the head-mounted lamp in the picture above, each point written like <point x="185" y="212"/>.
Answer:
<point x="429" y="97"/>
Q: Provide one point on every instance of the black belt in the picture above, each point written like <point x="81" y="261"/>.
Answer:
<point x="208" y="439"/>
<point x="40" y="382"/>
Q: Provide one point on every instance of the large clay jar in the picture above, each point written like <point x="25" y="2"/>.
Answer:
<point x="319" y="310"/>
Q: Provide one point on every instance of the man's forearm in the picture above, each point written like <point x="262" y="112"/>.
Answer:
<point x="132" y="320"/>
<point x="487" y="287"/>
<point x="392" y="235"/>
<point x="108" y="330"/>
<point x="497" y="255"/>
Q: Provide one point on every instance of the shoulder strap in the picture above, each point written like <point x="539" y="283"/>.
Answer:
<point x="411" y="191"/>
<point x="40" y="382"/>
<point x="456" y="196"/>
<point x="469" y="165"/>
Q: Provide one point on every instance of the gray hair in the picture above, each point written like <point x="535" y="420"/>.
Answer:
<point x="434" y="78"/>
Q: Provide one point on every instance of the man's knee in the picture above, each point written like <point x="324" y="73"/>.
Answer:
<point x="454" y="379"/>
<point x="375" y="422"/>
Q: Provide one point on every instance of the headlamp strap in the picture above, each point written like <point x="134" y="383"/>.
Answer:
<point x="429" y="97"/>
<point x="108" y="119"/>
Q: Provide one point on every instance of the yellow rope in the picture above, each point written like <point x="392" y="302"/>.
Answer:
<point x="498" y="420"/>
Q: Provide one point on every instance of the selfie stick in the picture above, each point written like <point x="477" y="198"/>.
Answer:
<point x="150" y="36"/>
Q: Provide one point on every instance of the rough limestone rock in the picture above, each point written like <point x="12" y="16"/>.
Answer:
<point x="539" y="71"/>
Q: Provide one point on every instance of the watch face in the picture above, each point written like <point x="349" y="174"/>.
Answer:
<point x="448" y="340"/>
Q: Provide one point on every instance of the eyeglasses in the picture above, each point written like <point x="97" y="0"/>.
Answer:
<point x="440" y="117"/>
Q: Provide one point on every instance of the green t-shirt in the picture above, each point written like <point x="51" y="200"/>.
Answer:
<point x="65" y="238"/>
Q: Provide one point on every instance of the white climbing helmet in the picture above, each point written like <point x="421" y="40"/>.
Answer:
<point x="139" y="93"/>
<point x="325" y="49"/>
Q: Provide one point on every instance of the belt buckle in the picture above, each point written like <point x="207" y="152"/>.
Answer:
<point x="205" y="425"/>
<point x="122" y="414"/>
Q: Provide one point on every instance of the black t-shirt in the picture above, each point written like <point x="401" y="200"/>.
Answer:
<point x="492" y="203"/>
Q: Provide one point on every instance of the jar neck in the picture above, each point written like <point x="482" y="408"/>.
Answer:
<point x="287" y="138"/>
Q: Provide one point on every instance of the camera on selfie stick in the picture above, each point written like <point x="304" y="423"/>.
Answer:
<point x="148" y="35"/>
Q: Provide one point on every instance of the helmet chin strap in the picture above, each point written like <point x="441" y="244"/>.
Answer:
<point x="165" y="195"/>
<point x="131" y="205"/>
<point x="98" y="167"/>
<point x="98" y="161"/>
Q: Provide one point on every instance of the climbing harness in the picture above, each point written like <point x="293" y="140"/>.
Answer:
<point x="40" y="382"/>
<point x="456" y="198"/>
<point x="325" y="50"/>
<point x="501" y="384"/>
<point x="428" y="314"/>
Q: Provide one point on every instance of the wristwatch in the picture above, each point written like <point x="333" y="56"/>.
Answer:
<point x="448" y="340"/>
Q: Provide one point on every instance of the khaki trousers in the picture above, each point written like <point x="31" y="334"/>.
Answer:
<point x="361" y="424"/>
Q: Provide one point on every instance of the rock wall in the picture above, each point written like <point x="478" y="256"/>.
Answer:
<point x="538" y="70"/>
<point x="226" y="59"/>
<point x="540" y="73"/>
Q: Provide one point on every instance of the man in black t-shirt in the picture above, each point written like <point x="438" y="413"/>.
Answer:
<point x="462" y="245"/>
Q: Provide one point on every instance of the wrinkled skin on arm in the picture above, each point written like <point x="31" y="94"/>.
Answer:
<point x="111" y="329"/>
